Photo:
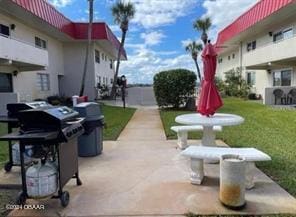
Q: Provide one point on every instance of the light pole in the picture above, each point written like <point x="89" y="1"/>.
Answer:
<point x="123" y="86"/>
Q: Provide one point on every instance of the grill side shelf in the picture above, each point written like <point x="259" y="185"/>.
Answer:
<point x="32" y="137"/>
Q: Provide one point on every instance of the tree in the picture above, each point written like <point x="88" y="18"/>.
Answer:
<point x="122" y="13"/>
<point x="194" y="48"/>
<point x="203" y="25"/>
<point x="89" y="34"/>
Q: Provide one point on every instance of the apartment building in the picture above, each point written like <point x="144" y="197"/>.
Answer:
<point x="262" y="43"/>
<point x="42" y="52"/>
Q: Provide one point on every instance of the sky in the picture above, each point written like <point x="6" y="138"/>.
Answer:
<point x="159" y="31"/>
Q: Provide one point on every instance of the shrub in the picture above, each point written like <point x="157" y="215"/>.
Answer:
<point x="174" y="87"/>
<point x="235" y="85"/>
<point x="252" y="96"/>
<point x="220" y="85"/>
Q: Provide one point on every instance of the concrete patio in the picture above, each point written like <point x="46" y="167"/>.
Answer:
<point x="142" y="174"/>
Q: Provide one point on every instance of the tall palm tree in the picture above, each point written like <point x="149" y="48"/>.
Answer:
<point x="203" y="25"/>
<point x="194" y="48"/>
<point x="89" y="34"/>
<point x="122" y="13"/>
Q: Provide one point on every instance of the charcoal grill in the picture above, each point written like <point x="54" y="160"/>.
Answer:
<point x="12" y="122"/>
<point x="55" y="130"/>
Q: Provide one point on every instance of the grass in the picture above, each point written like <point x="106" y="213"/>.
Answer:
<point x="268" y="129"/>
<point x="116" y="119"/>
<point x="3" y="146"/>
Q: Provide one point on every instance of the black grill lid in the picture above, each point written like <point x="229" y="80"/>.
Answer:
<point x="46" y="118"/>
<point x="14" y="108"/>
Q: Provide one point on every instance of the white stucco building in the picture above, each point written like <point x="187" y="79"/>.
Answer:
<point x="262" y="42"/>
<point x="42" y="52"/>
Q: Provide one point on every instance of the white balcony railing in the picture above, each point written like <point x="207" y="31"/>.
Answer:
<point x="270" y="52"/>
<point x="15" y="50"/>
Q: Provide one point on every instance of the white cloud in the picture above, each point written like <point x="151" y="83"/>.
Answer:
<point x="144" y="63"/>
<point x="61" y="3"/>
<point x="156" y="13"/>
<point x="152" y="38"/>
<point x="224" y="12"/>
<point x="186" y="42"/>
<point x="114" y="28"/>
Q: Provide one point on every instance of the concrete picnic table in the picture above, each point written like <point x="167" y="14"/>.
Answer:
<point x="208" y="123"/>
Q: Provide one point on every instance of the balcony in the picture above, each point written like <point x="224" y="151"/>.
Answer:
<point x="280" y="53"/>
<point x="24" y="56"/>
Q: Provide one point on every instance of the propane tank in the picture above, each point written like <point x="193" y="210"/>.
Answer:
<point x="41" y="179"/>
<point x="16" y="154"/>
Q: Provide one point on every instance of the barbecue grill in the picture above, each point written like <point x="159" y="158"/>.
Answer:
<point x="12" y="122"/>
<point x="53" y="134"/>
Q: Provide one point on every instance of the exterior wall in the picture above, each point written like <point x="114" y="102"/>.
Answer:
<point x="103" y="69"/>
<point x="226" y="64"/>
<point x="25" y="83"/>
<point x="74" y="56"/>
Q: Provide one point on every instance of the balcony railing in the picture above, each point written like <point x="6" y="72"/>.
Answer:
<point x="271" y="51"/>
<point x="22" y="52"/>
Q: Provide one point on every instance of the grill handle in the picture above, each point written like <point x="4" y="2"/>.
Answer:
<point x="77" y="121"/>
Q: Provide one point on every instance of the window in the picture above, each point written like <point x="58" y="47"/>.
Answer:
<point x="233" y="56"/>
<point x="4" y="30"/>
<point x="277" y="36"/>
<point x="286" y="77"/>
<point x="251" y="46"/>
<point x="251" y="78"/>
<point x="97" y="56"/>
<point x="5" y="82"/>
<point x="220" y="60"/>
<point x="111" y="64"/>
<point x="282" y="78"/>
<point x="284" y="34"/>
<point x="288" y="33"/>
<point x="43" y="82"/>
<point x="228" y="57"/>
<point x="111" y="80"/>
<point x="40" y="43"/>
<point x="103" y="56"/>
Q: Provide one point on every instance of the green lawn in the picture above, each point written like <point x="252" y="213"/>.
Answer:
<point x="115" y="118"/>
<point x="270" y="130"/>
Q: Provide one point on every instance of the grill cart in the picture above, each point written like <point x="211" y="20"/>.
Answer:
<point x="12" y="122"/>
<point x="52" y="132"/>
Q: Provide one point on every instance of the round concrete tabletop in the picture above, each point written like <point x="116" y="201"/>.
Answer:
<point x="218" y="119"/>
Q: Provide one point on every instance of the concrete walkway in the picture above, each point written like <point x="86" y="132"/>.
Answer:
<point x="142" y="174"/>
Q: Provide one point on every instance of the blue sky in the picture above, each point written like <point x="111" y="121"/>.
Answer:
<point x="159" y="31"/>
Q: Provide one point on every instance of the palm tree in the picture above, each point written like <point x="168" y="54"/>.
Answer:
<point x="122" y="13"/>
<point x="194" y="48"/>
<point x="89" y="34"/>
<point x="203" y="25"/>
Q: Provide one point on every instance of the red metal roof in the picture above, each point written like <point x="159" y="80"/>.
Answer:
<point x="258" y="12"/>
<point x="49" y="14"/>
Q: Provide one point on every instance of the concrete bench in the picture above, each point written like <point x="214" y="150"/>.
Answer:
<point x="199" y="153"/>
<point x="182" y="132"/>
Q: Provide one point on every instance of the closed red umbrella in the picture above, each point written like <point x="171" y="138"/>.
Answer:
<point x="209" y="99"/>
